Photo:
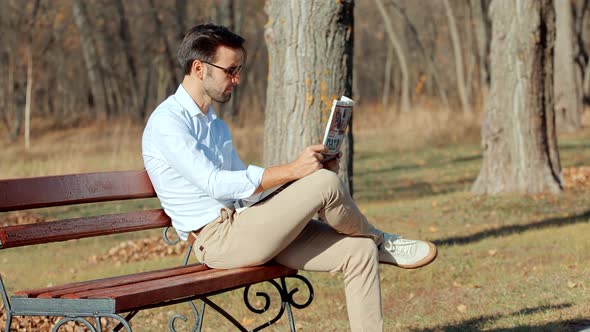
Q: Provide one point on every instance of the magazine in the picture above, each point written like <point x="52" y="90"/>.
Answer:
<point x="336" y="127"/>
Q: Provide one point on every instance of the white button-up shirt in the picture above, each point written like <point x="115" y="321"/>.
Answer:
<point x="193" y="166"/>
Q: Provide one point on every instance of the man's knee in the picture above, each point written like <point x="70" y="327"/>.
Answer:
<point x="325" y="180"/>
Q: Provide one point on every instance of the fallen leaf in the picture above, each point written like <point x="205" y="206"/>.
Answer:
<point x="492" y="252"/>
<point x="571" y="284"/>
<point x="462" y="308"/>
<point x="432" y="229"/>
<point x="247" y="320"/>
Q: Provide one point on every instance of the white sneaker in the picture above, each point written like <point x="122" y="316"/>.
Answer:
<point x="407" y="254"/>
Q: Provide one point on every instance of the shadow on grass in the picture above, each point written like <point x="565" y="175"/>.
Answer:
<point x="512" y="229"/>
<point x="477" y="324"/>
<point x="410" y="189"/>
<point x="433" y="164"/>
<point x="573" y="146"/>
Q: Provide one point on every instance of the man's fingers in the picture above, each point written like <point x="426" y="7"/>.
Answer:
<point x="318" y="148"/>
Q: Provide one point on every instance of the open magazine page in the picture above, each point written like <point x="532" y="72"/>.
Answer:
<point x="337" y="124"/>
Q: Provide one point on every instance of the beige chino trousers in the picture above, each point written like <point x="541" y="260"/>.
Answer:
<point x="281" y="228"/>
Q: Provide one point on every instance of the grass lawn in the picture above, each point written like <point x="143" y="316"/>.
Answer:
<point x="506" y="263"/>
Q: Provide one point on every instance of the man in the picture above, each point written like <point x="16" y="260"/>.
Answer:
<point x="199" y="178"/>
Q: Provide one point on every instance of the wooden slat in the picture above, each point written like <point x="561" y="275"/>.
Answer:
<point x="36" y="192"/>
<point x="129" y="297"/>
<point x="54" y="291"/>
<point x="59" y="291"/>
<point x="77" y="228"/>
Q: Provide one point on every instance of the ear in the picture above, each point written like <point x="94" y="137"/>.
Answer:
<point x="198" y="68"/>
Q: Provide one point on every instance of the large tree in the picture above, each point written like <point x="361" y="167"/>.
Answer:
<point x="310" y="64"/>
<point x="518" y="131"/>
<point x="96" y="76"/>
<point x="568" y="79"/>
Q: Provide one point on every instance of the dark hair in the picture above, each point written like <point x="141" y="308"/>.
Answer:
<point x="201" y="43"/>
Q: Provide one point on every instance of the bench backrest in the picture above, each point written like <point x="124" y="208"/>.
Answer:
<point x="49" y="191"/>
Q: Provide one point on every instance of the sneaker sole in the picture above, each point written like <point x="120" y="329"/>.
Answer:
<point x="432" y="254"/>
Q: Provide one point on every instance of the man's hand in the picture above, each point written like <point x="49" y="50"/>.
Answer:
<point x="308" y="161"/>
<point x="333" y="163"/>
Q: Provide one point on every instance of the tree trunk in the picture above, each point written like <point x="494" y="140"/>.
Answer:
<point x="133" y="106"/>
<point x="405" y="102"/>
<point x="180" y="9"/>
<point x="430" y="65"/>
<point x="518" y="131"/>
<point x="310" y="46"/>
<point x="465" y="105"/>
<point x="8" y="108"/>
<point x="29" y="97"/>
<point x="227" y="16"/>
<point x="95" y="75"/>
<point x="482" y="27"/>
<point x="580" y="9"/>
<point x="168" y="55"/>
<point x="586" y="83"/>
<point x="387" y="77"/>
<point x="567" y="81"/>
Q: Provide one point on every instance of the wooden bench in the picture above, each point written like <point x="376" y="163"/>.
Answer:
<point x="121" y="297"/>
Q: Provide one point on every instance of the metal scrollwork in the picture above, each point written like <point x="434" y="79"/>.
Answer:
<point x="290" y="294"/>
<point x="265" y="296"/>
<point x="98" y="328"/>
<point x="287" y="300"/>
<point x="167" y="239"/>
<point x="75" y="319"/>
<point x="123" y="322"/>
<point x="198" y="317"/>
<point x="267" y="303"/>
<point x="169" y="242"/>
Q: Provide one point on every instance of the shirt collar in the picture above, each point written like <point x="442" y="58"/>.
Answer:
<point x="186" y="101"/>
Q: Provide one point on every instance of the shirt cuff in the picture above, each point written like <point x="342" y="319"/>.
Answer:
<point x="255" y="173"/>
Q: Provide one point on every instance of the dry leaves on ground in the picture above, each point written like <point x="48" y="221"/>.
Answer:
<point x="45" y="324"/>
<point x="19" y="218"/>
<point x="576" y="177"/>
<point x="139" y="250"/>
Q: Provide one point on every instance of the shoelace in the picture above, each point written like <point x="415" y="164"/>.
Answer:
<point x="401" y="247"/>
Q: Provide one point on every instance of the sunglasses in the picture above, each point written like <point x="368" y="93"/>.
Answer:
<point x="232" y="72"/>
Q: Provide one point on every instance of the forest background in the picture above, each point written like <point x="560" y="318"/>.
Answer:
<point x="79" y="78"/>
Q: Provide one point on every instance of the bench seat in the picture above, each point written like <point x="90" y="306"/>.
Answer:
<point x="148" y="289"/>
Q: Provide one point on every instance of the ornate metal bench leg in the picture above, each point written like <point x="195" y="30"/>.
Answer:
<point x="198" y="317"/>
<point x="6" y="305"/>
<point x="8" y="320"/>
<point x="73" y="319"/>
<point x="290" y="301"/>
<point x="123" y="321"/>
<point x="287" y="301"/>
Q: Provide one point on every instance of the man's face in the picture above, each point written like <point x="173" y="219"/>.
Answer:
<point x="218" y="83"/>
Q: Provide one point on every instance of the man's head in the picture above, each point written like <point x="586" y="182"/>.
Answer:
<point x="202" y="41"/>
<point x="213" y="55"/>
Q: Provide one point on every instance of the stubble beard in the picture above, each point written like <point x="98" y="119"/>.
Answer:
<point x="216" y="95"/>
